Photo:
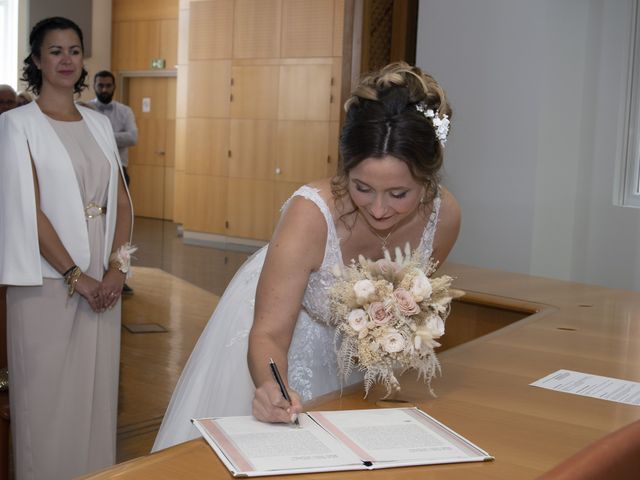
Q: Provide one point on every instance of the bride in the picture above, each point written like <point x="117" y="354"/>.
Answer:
<point x="386" y="193"/>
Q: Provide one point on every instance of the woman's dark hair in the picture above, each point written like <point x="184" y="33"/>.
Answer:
<point x="30" y="72"/>
<point x="382" y="119"/>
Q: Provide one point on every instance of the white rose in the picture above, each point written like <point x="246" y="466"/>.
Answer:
<point x="435" y="326"/>
<point x="357" y="319"/>
<point x="393" y="342"/>
<point x="363" y="290"/>
<point x="420" y="287"/>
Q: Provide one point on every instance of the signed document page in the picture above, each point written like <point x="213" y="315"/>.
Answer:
<point x="399" y="435"/>
<point x="251" y="447"/>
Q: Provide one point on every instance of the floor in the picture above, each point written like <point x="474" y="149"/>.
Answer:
<point x="160" y="246"/>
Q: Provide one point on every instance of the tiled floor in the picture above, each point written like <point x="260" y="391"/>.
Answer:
<point x="159" y="246"/>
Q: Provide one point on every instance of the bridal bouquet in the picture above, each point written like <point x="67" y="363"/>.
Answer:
<point x="388" y="314"/>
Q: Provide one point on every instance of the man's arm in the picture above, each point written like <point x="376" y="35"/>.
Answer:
<point x="127" y="133"/>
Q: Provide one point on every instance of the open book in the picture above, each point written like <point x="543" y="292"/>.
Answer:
<point x="336" y="440"/>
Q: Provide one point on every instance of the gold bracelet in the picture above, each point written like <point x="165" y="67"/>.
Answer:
<point x="71" y="279"/>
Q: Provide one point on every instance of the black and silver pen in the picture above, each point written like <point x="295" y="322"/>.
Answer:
<point x="283" y="388"/>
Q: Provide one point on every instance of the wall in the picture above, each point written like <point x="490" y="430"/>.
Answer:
<point x="538" y="90"/>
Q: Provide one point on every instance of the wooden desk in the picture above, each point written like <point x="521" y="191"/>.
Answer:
<point x="483" y="393"/>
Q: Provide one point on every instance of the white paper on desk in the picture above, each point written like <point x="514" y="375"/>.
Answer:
<point x="595" y="386"/>
<point x="258" y="446"/>
<point x="332" y="441"/>
<point x="397" y="435"/>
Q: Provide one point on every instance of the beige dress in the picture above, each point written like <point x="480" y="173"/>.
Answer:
<point x="63" y="357"/>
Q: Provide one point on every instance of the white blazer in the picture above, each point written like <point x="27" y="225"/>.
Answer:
<point x="26" y="135"/>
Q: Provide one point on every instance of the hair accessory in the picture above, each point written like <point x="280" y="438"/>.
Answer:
<point x="121" y="258"/>
<point x="440" y="123"/>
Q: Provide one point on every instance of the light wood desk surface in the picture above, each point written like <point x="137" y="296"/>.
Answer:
<point x="484" y="391"/>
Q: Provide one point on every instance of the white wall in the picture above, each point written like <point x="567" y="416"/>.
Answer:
<point x="538" y="90"/>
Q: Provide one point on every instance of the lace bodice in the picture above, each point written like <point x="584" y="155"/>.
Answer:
<point x="316" y="296"/>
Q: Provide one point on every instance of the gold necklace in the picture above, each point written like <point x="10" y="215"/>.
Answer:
<point x="383" y="239"/>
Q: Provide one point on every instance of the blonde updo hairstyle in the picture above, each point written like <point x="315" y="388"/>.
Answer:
<point x="382" y="119"/>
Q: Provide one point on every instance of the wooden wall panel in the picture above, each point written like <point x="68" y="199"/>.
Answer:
<point x="182" y="91"/>
<point x="134" y="44"/>
<point x="151" y="146"/>
<point x="207" y="146"/>
<point x="205" y="208"/>
<point x="172" y="85"/>
<point x="250" y="208"/>
<point x="305" y="92"/>
<point x="336" y="107"/>
<point x="256" y="31"/>
<point x="211" y="29"/>
<point x="154" y="88"/>
<point x="255" y="91"/>
<point x="170" y="143"/>
<point x="169" y="193"/>
<point x="209" y="88"/>
<point x="168" y="49"/>
<point x="307" y="28"/>
<point x="253" y="149"/>
<point x="258" y="108"/>
<point x="143" y="9"/>
<point x="338" y="27"/>
<point x="147" y="190"/>
<point x="183" y="36"/>
<point x="334" y="148"/>
<point x="181" y="143"/>
<point x="302" y="150"/>
<point x="179" y="196"/>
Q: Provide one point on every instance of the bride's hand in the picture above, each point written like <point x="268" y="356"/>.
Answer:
<point x="270" y="406"/>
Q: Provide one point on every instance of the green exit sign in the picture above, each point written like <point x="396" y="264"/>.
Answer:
<point x="157" y="63"/>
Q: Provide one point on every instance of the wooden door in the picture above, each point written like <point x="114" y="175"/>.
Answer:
<point x="151" y="161"/>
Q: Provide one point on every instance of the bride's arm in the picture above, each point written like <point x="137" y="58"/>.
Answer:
<point x="295" y="250"/>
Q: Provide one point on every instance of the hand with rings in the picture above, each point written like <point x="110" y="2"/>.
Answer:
<point x="112" y="287"/>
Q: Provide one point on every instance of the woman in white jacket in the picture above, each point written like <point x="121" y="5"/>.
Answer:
<point x="65" y="226"/>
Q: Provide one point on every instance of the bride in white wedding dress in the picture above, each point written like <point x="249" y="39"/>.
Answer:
<point x="385" y="194"/>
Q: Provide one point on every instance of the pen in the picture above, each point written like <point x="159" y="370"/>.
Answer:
<point x="283" y="388"/>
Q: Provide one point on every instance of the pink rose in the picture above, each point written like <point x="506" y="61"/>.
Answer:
<point x="406" y="304"/>
<point x="378" y="313"/>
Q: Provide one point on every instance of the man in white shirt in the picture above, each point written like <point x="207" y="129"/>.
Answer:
<point x="122" y="121"/>
<point x="120" y="115"/>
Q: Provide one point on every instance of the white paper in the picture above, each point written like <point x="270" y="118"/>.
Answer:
<point x="332" y="441"/>
<point x="269" y="446"/>
<point x="397" y="435"/>
<point x="595" y="386"/>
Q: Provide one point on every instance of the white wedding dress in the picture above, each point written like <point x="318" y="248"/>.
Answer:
<point x="216" y="379"/>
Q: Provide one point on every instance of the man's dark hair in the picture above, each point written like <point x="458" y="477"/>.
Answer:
<point x="102" y="74"/>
